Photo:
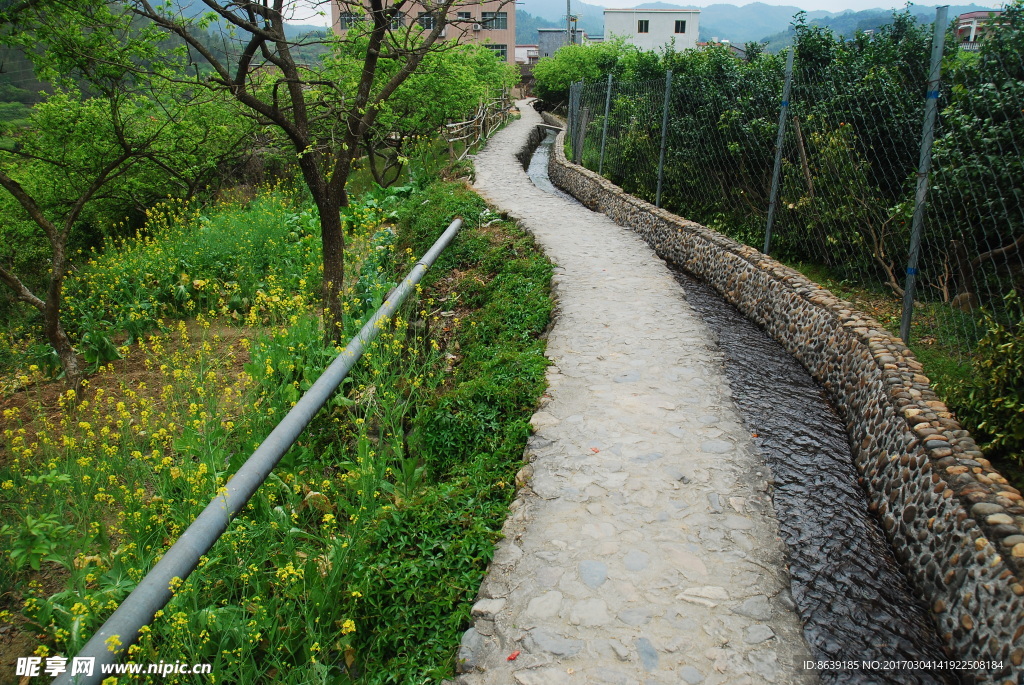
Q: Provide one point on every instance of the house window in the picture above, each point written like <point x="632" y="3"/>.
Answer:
<point x="349" y="20"/>
<point x="397" y="21"/>
<point x="643" y="26"/>
<point x="427" y="21"/>
<point x="501" y="51"/>
<point x="465" y="16"/>
<point x="680" y="26"/>
<point x="497" y="21"/>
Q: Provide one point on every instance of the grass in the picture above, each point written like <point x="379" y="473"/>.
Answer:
<point x="358" y="559"/>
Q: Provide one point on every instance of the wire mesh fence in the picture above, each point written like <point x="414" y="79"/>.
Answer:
<point x="631" y="131"/>
<point x="851" y="146"/>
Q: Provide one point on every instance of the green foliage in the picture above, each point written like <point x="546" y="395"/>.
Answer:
<point x="241" y="262"/>
<point x="14" y="113"/>
<point x="849" y="151"/>
<point x="448" y="86"/>
<point x="121" y="155"/>
<point x="359" y="558"/>
<point x="174" y="143"/>
<point x="427" y="560"/>
<point x="373" y="284"/>
<point x="89" y="42"/>
<point x="95" y="344"/>
<point x="991" y="402"/>
<point x="501" y="373"/>
<point x="118" y="133"/>
<point x="590" y="63"/>
<point x="38" y="539"/>
<point x="978" y="166"/>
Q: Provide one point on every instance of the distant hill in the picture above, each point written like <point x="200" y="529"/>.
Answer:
<point x="527" y="25"/>
<point x="848" y="23"/>
<point x="296" y="30"/>
<point x="591" y="17"/>
<point x="739" y="24"/>
<point x="742" y="24"/>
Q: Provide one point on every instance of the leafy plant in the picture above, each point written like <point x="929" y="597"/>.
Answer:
<point x="95" y="345"/>
<point x="46" y="358"/>
<point x="992" y="402"/>
<point x="37" y="541"/>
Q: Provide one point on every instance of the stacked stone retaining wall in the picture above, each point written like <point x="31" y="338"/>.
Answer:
<point x="955" y="524"/>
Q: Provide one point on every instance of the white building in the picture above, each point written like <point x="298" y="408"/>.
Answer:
<point x="527" y="54"/>
<point x="652" y="29"/>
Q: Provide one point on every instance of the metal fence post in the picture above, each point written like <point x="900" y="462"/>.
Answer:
<point x="664" y="136"/>
<point x="582" y="124"/>
<point x="931" y="107"/>
<point x="773" y="197"/>
<point x="604" y="130"/>
<point x="574" y="111"/>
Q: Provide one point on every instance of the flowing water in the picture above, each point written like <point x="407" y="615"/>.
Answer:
<point x="855" y="603"/>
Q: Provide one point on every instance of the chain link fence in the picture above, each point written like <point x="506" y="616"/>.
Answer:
<point x="851" y="143"/>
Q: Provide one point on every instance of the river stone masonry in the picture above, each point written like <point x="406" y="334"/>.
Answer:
<point x="642" y="546"/>
<point x="955" y="523"/>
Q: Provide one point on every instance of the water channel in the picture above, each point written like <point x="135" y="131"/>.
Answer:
<point x="854" y="601"/>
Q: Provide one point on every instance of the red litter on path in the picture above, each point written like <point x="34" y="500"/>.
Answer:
<point x="513" y="656"/>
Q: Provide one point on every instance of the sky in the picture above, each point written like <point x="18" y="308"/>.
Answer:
<point x="314" y="12"/>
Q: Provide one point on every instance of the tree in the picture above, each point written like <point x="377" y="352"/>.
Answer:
<point x="79" y="151"/>
<point x="449" y="85"/>
<point x="590" y="63"/>
<point x="325" y="122"/>
<point x="979" y="164"/>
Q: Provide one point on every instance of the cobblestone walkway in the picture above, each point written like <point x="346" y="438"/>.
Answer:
<point x="644" y="548"/>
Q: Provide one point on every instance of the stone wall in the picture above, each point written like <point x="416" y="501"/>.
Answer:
<point x="537" y="134"/>
<point x="955" y="524"/>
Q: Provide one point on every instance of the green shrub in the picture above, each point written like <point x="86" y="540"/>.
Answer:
<point x="422" y="561"/>
<point x="992" y="404"/>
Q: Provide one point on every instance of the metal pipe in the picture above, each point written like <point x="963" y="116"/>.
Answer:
<point x="664" y="135"/>
<point x="931" y="106"/>
<point x="773" y="197"/>
<point x="604" y="130"/>
<point x="153" y="592"/>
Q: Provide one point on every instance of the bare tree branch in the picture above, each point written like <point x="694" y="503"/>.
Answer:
<point x="23" y="293"/>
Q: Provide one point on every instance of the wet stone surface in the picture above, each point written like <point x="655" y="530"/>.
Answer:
<point x="855" y="603"/>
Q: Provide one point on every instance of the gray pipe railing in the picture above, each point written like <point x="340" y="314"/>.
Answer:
<point x="153" y="592"/>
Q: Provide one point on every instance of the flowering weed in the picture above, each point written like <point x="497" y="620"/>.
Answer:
<point x="358" y="558"/>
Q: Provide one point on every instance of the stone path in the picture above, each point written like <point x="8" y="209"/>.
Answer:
<point x="643" y="548"/>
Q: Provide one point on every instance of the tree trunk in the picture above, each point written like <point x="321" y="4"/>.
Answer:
<point x="333" y="240"/>
<point x="55" y="332"/>
<point x="329" y="202"/>
<point x="50" y="309"/>
<point x="68" y="358"/>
